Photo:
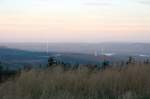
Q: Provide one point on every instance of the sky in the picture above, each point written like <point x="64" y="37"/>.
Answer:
<point x="75" y="21"/>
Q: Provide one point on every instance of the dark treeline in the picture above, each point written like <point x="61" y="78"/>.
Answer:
<point x="53" y="62"/>
<point x="6" y="73"/>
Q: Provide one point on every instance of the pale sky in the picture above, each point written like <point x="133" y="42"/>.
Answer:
<point x="74" y="20"/>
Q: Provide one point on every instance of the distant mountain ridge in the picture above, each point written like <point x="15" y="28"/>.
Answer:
<point x="71" y="53"/>
<point x="86" y="48"/>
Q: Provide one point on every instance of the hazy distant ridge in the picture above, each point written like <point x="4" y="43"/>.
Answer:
<point x="126" y="48"/>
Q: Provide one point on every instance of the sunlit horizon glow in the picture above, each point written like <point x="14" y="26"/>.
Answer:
<point x="74" y="20"/>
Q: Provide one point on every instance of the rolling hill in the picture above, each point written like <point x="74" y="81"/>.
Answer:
<point x="17" y="55"/>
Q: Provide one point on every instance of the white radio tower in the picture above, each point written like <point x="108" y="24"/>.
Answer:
<point x="47" y="47"/>
<point x="102" y="51"/>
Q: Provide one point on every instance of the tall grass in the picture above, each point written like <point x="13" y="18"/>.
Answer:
<point x="132" y="82"/>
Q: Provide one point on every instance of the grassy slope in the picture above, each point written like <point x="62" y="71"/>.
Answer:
<point x="113" y="83"/>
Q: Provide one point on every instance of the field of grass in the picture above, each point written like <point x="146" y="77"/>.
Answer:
<point x="131" y="82"/>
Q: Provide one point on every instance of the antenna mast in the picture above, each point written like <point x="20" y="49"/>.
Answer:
<point x="47" y="47"/>
<point x="102" y="51"/>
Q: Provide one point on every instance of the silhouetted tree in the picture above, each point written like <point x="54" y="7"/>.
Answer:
<point x="51" y="61"/>
<point x="105" y="64"/>
<point x="130" y="60"/>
